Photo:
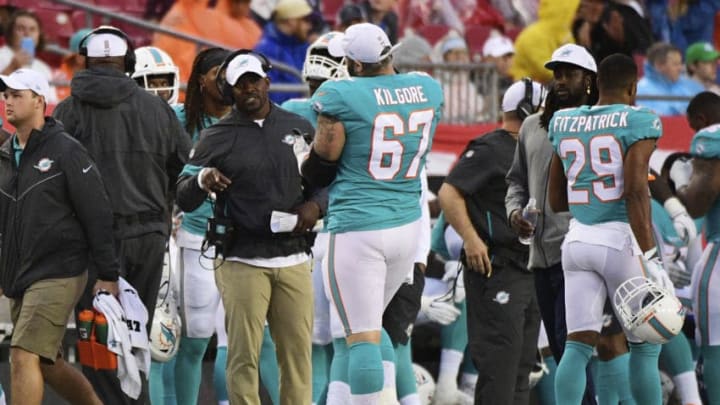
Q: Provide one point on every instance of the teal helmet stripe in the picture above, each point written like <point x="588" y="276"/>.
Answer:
<point x="660" y="328"/>
<point x="156" y="55"/>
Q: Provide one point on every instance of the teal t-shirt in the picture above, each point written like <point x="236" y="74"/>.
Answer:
<point x="706" y="144"/>
<point x="389" y="124"/>
<point x="302" y="107"/>
<point x="592" y="142"/>
<point x="17" y="150"/>
<point x="195" y="222"/>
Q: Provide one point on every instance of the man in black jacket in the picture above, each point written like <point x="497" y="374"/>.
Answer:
<point x="140" y="149"/>
<point x="247" y="159"/>
<point x="54" y="220"/>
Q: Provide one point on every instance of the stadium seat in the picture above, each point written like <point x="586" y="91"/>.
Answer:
<point x="57" y="25"/>
<point x="433" y="33"/>
<point x="139" y="36"/>
<point x="37" y="5"/>
<point x="329" y="8"/>
<point x="476" y="35"/>
<point x="79" y="20"/>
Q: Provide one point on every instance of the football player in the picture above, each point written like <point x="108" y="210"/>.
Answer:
<point x="373" y="134"/>
<point x="600" y="171"/>
<point x="156" y="72"/>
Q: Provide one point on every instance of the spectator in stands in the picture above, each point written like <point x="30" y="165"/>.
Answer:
<point x="701" y="59"/>
<point x="608" y="27"/>
<point x="193" y="17"/>
<point x="517" y="13"/>
<point x="499" y="51"/>
<point x="239" y="10"/>
<point x="71" y="63"/>
<point x="536" y="43"/>
<point x="381" y="13"/>
<point x="14" y="55"/>
<point x="156" y="9"/>
<point x="349" y="15"/>
<point x="414" y="49"/>
<point x="682" y="22"/>
<point x="463" y="103"/>
<point x="285" y="40"/>
<point x="663" y="77"/>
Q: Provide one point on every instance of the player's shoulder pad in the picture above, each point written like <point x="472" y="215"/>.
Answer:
<point x="706" y="142"/>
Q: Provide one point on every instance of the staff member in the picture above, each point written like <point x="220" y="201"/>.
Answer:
<point x="55" y="219"/>
<point x="248" y="158"/>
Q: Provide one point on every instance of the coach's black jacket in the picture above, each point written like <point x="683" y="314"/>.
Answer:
<point x="54" y="212"/>
<point x="137" y="142"/>
<point x="263" y="169"/>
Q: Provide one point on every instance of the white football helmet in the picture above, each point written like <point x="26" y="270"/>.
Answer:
<point x="425" y="384"/>
<point x="648" y="311"/>
<point x="153" y="61"/>
<point x="166" y="327"/>
<point x="319" y="64"/>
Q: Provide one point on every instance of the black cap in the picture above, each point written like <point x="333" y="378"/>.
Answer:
<point x="351" y="13"/>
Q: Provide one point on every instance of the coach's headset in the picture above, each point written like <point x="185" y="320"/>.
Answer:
<point x="223" y="86"/>
<point x="107" y="29"/>
<point x="526" y="107"/>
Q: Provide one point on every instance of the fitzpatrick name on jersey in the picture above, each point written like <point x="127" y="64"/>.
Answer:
<point x="591" y="123"/>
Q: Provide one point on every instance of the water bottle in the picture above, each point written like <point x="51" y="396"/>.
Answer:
<point x="85" y="323"/>
<point x="530" y="214"/>
<point x="101" y="329"/>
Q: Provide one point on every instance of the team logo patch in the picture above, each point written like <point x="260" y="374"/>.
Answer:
<point x="44" y="164"/>
<point x="699" y="148"/>
<point x="317" y="106"/>
<point x="502" y="297"/>
<point x="289" y="139"/>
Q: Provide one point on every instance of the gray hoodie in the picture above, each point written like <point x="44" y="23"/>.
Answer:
<point x="529" y="177"/>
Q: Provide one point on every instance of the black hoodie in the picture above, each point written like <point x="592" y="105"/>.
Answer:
<point x="136" y="140"/>
<point x="54" y="212"/>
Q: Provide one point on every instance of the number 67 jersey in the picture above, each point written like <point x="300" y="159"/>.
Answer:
<point x="592" y="142"/>
<point x="389" y="125"/>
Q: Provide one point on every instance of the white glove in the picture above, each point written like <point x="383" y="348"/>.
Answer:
<point x="656" y="271"/>
<point x="677" y="271"/>
<point x="683" y="223"/>
<point x="680" y="172"/>
<point x="452" y="269"/>
<point x="460" y="288"/>
<point x="442" y="312"/>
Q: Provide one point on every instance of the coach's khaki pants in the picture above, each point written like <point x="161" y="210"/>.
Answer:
<point x="285" y="297"/>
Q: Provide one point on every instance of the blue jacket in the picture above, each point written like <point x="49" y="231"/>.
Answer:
<point x="655" y="84"/>
<point x="286" y="49"/>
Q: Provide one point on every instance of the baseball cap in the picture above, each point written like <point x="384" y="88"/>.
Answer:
<point x="106" y="44"/>
<point x="75" y="39"/>
<point x="241" y="64"/>
<point x="362" y="42"/>
<point x="452" y="44"/>
<point x="287" y="9"/>
<point x="574" y="55"/>
<point x="516" y="93"/>
<point x="701" y="52"/>
<point x="497" y="46"/>
<point x="26" y="79"/>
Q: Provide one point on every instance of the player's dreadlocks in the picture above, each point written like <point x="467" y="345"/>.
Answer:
<point x="194" y="106"/>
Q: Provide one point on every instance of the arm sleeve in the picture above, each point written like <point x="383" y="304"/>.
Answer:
<point x="92" y="207"/>
<point x="189" y="194"/>
<point x="516" y="179"/>
<point x="472" y="172"/>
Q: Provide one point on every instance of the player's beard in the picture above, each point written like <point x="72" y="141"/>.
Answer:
<point x="351" y="70"/>
<point x="571" y="100"/>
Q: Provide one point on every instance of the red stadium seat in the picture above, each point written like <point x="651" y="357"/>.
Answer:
<point x="330" y="8"/>
<point x="433" y="33"/>
<point x="79" y="20"/>
<point x="57" y="25"/>
<point x="476" y="35"/>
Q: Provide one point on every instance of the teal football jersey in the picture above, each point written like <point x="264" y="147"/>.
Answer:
<point x="301" y="107"/>
<point x="389" y="125"/>
<point x="706" y="144"/>
<point x="592" y="142"/>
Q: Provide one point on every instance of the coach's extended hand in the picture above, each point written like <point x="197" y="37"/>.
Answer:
<point x="212" y="180"/>
<point x="476" y="256"/>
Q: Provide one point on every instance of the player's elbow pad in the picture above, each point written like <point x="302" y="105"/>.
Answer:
<point x="317" y="171"/>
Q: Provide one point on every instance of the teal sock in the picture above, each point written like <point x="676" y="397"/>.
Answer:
<point x="269" y="373"/>
<point x="711" y="372"/>
<point x="645" y="378"/>
<point x="468" y="367"/>
<point x="365" y="371"/>
<point x="612" y="380"/>
<point x="219" y="378"/>
<point x="404" y="373"/>
<point x="455" y="335"/>
<point x="168" y="376"/>
<point x="155" y="385"/>
<point x="546" y="386"/>
<point x="188" y="369"/>
<point x="676" y="356"/>
<point x="321" y="358"/>
<point x="340" y="360"/>
<point x="570" y="375"/>
<point x="387" y="352"/>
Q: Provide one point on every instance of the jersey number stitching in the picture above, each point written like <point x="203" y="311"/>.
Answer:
<point x="386" y="154"/>
<point x="606" y="162"/>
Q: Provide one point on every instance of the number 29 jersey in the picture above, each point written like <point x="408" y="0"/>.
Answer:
<point x="592" y="142"/>
<point x="389" y="123"/>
